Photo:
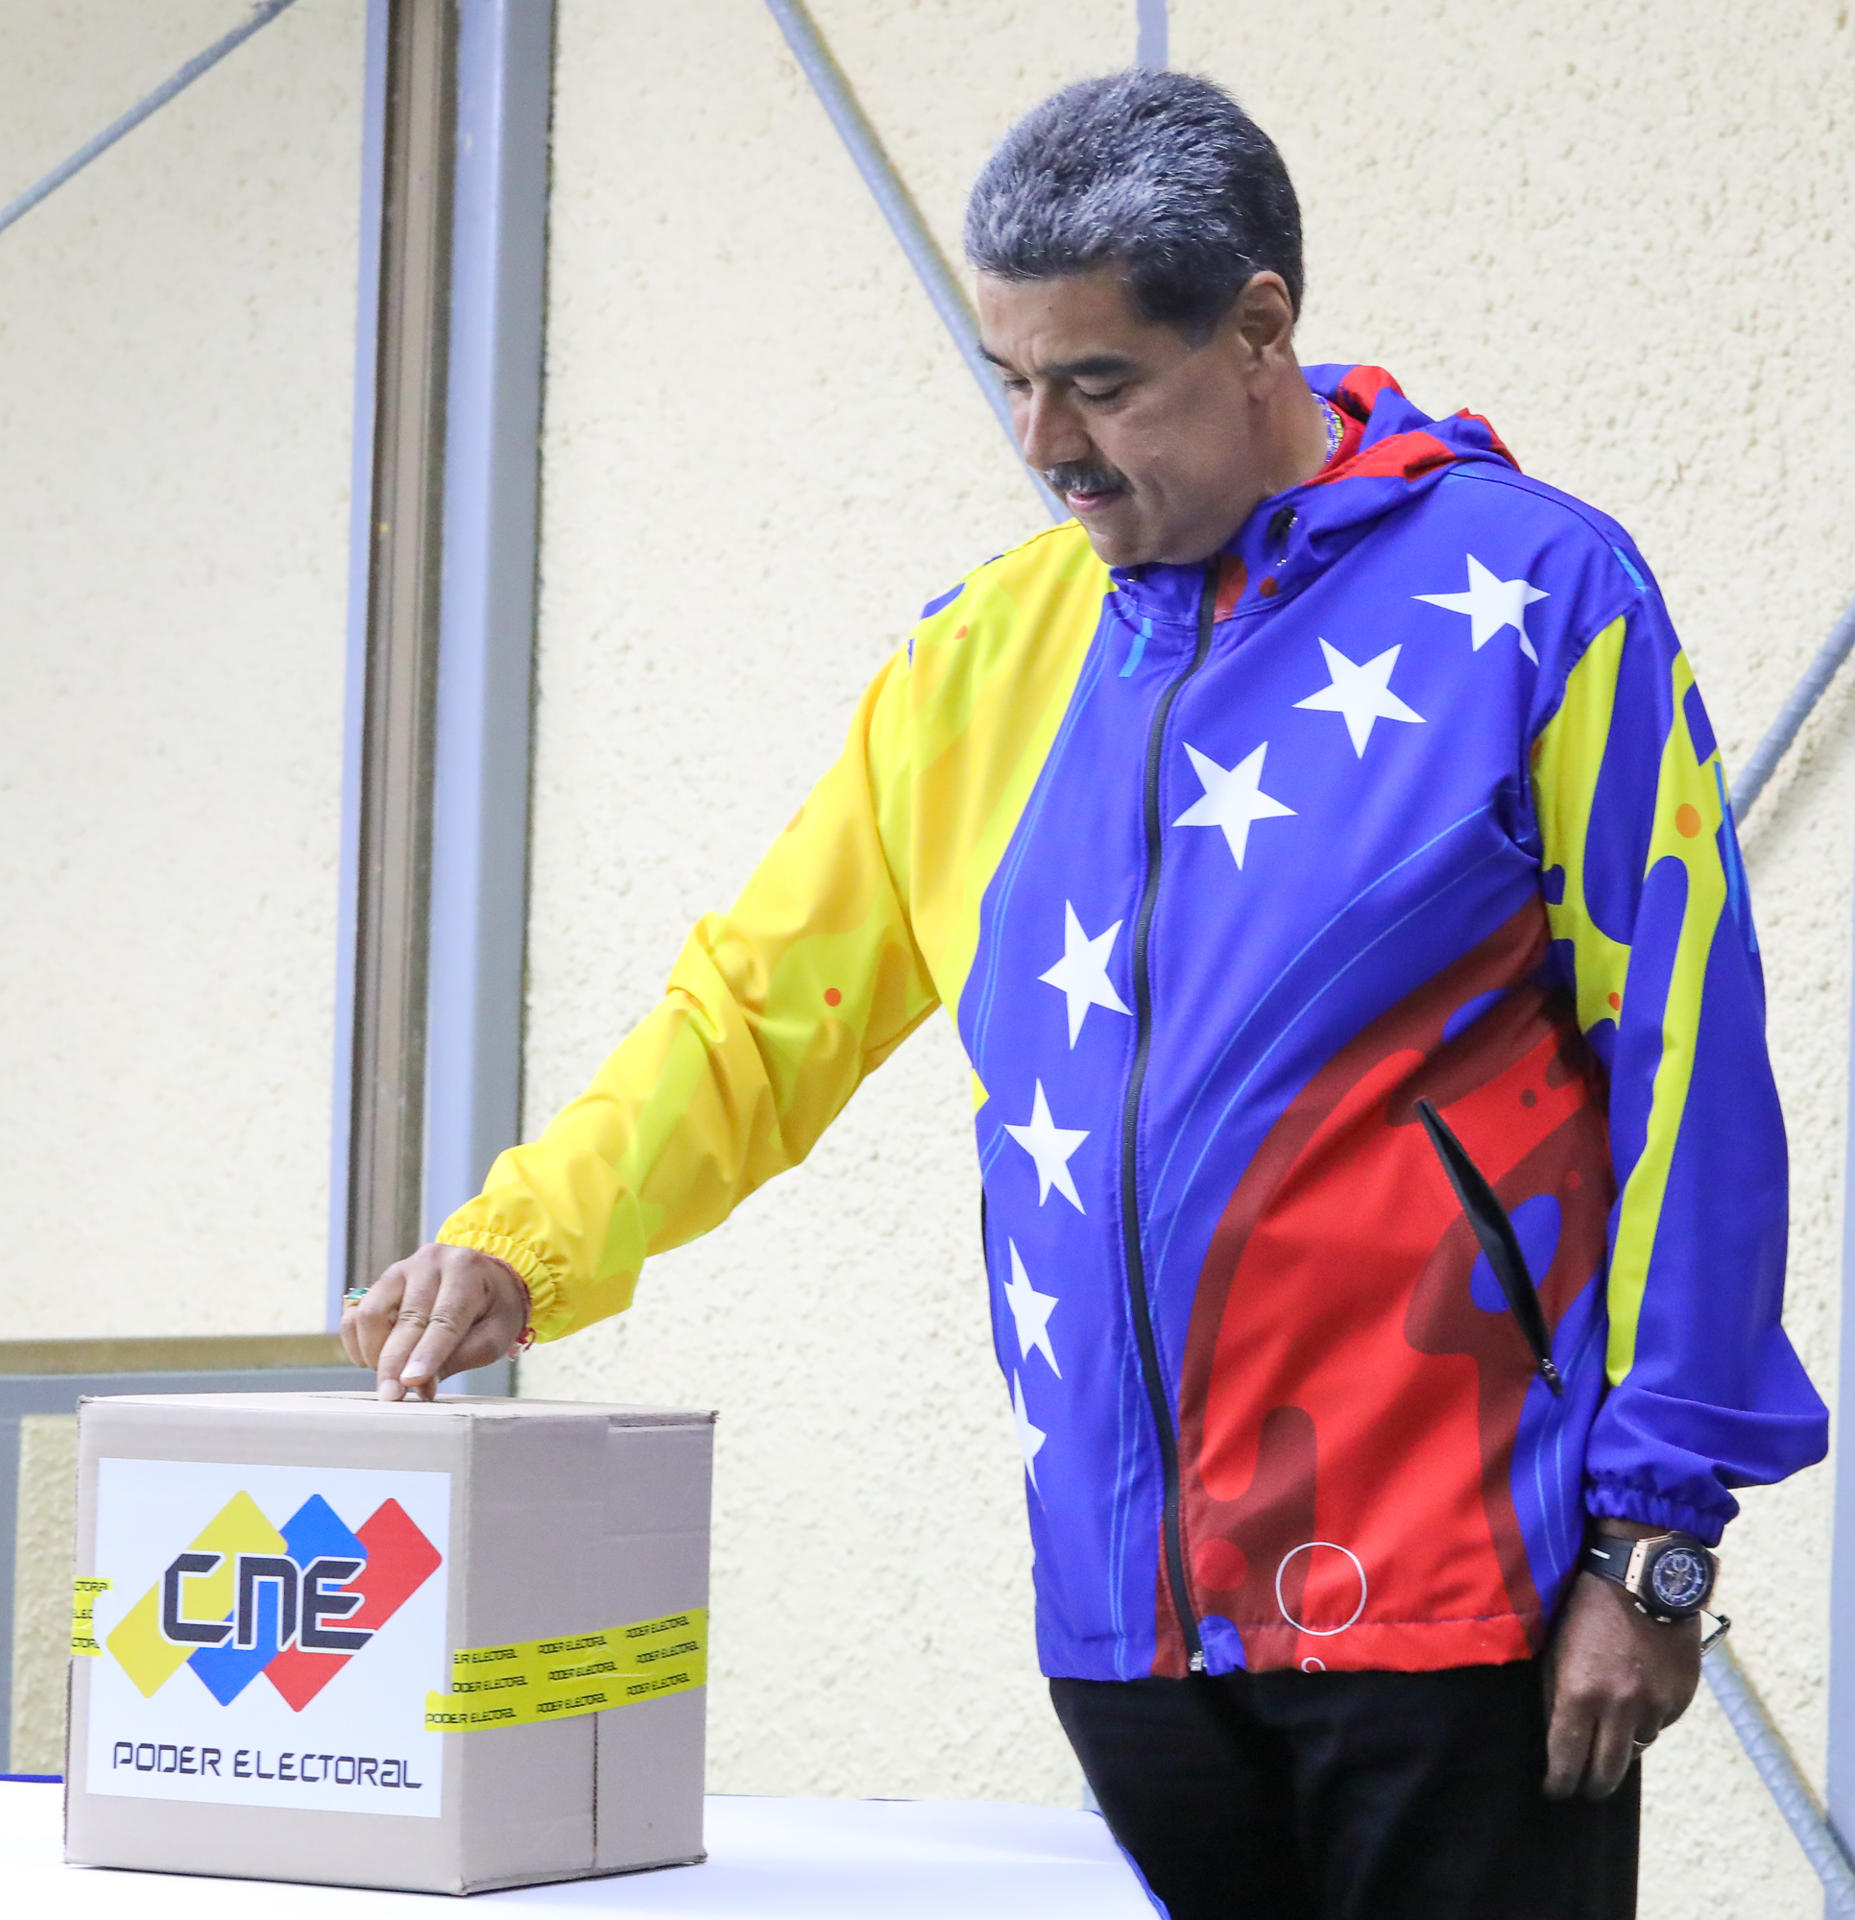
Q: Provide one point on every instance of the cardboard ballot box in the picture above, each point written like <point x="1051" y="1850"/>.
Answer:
<point x="321" y="1637"/>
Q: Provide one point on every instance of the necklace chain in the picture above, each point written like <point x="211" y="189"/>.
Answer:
<point x="1335" y="431"/>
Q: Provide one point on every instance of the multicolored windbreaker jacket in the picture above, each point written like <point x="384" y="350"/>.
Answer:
<point x="1219" y="870"/>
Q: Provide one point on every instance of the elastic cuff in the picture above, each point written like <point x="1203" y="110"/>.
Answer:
<point x="1617" y="1500"/>
<point x="547" y="1313"/>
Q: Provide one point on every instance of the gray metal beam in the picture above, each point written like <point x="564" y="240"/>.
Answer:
<point x="479" y="861"/>
<point x="1152" y="33"/>
<point x="1795" y="711"/>
<point x="177" y="82"/>
<point x="899" y="210"/>
<point x="1777" y="1767"/>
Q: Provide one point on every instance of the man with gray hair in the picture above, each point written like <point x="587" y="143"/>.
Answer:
<point x="1322" y="849"/>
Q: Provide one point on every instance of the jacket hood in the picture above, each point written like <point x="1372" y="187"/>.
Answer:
<point x="1393" y="453"/>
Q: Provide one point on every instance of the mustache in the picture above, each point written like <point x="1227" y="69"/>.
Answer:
<point x="1082" y="476"/>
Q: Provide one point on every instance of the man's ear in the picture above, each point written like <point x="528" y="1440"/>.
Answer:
<point x="1261" y="324"/>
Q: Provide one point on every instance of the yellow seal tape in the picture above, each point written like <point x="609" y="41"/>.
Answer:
<point x="525" y="1681"/>
<point x="83" y="1614"/>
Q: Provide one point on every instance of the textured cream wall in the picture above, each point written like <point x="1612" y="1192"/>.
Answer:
<point x="44" y="1560"/>
<point x="1618" y="236"/>
<point x="177" y="338"/>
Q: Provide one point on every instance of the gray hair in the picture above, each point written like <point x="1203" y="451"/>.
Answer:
<point x="1160" y="174"/>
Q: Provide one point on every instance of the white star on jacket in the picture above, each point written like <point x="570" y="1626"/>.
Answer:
<point x="1050" y="1146"/>
<point x="1360" y="694"/>
<point x="1030" y="1313"/>
<point x="1491" y="604"/>
<point x="1030" y="1438"/>
<point x="1082" y="973"/>
<point x="1233" y="799"/>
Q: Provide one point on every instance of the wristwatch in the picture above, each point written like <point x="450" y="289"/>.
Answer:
<point x="1670" y="1576"/>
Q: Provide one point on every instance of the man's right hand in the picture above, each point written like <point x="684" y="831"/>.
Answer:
<point x="441" y="1311"/>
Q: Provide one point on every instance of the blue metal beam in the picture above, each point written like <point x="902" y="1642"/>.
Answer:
<point x="1152" y="33"/>
<point x="261" y="16"/>
<point x="479" y="872"/>
<point x="904" y="217"/>
<point x="1795" y="711"/>
<point x="1765" y="1747"/>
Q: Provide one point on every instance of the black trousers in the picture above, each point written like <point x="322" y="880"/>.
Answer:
<point x="1349" y="1796"/>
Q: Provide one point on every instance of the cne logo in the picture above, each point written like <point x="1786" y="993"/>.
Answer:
<point x="294" y="1604"/>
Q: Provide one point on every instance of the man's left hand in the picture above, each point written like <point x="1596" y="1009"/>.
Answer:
<point x="1614" y="1679"/>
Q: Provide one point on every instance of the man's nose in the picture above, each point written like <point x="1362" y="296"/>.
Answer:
<point x="1049" y="432"/>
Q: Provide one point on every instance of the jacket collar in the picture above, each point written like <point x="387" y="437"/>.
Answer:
<point x="1292" y="537"/>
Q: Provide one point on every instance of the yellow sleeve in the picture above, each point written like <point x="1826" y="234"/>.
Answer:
<point x="774" y="1013"/>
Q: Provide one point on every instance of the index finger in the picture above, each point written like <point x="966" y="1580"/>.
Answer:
<point x="432" y="1335"/>
<point x="402" y="1331"/>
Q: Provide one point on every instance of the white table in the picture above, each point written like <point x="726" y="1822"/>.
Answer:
<point x="768" y="1860"/>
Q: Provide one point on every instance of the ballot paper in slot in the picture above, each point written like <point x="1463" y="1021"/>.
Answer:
<point x="438" y="1648"/>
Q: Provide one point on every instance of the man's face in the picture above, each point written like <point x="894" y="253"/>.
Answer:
<point x="1154" y="444"/>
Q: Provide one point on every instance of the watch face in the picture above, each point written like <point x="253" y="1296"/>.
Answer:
<point x="1679" y="1579"/>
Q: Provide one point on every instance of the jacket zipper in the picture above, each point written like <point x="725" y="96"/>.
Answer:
<point x="1163" y="1427"/>
<point x="1495" y="1232"/>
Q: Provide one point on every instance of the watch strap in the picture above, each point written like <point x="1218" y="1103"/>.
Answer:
<point x="1609" y="1556"/>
